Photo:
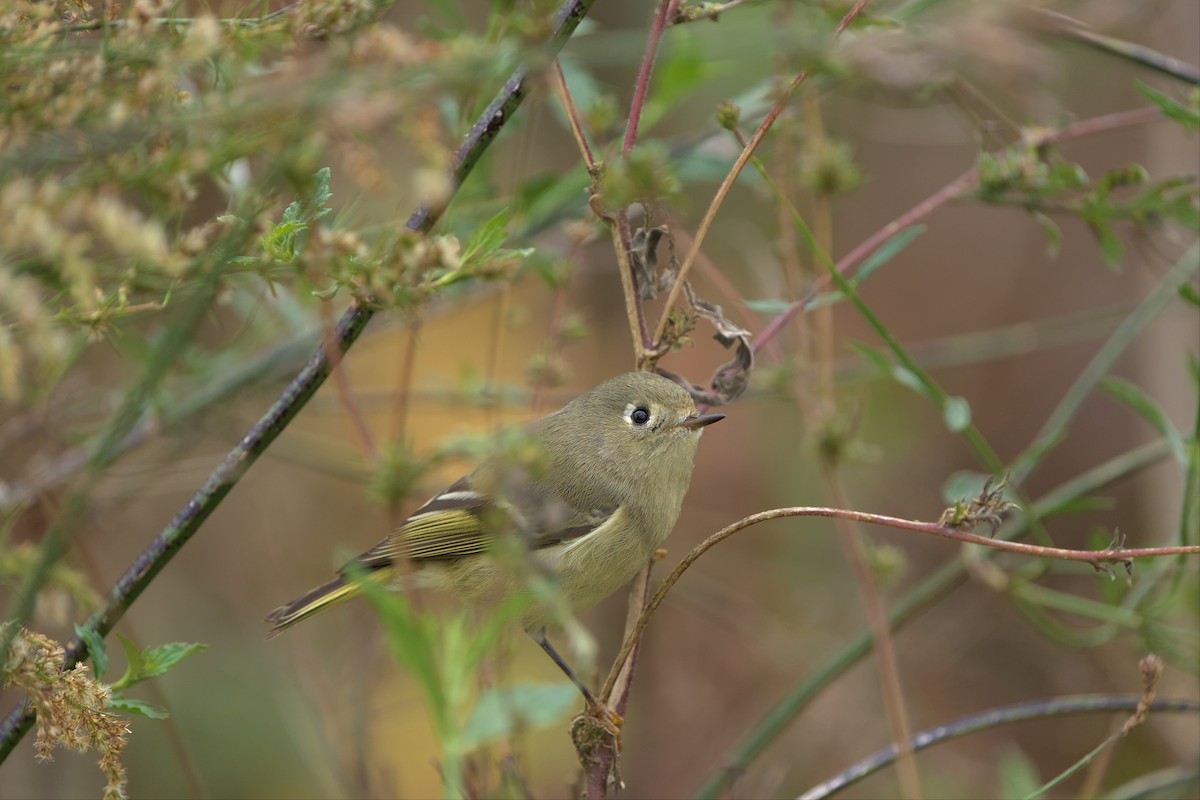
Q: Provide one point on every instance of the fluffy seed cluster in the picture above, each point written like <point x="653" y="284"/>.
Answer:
<point x="72" y="706"/>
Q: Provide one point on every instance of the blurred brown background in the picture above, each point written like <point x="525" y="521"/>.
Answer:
<point x="323" y="712"/>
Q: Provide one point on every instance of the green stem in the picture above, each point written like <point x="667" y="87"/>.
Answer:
<point x="1055" y="428"/>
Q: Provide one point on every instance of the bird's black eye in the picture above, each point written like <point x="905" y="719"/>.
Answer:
<point x="640" y="416"/>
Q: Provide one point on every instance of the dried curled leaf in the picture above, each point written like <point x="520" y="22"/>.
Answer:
<point x="729" y="380"/>
<point x="643" y="255"/>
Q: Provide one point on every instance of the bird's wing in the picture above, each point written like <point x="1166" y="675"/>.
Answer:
<point x="463" y="521"/>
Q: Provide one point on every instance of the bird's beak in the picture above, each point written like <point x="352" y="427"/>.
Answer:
<point x="699" y="420"/>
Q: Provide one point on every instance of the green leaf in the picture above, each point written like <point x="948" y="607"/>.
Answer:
<point x="321" y="195"/>
<point x="1171" y="108"/>
<point x="1017" y="775"/>
<point x="486" y="239"/>
<point x="875" y="357"/>
<point x="1052" y="231"/>
<point x="887" y="251"/>
<point x="824" y="299"/>
<point x="153" y="661"/>
<point x="957" y="414"/>
<point x="1080" y="505"/>
<point x="411" y="638"/>
<point x="95" y="646"/>
<point x="897" y="372"/>
<point x="1110" y="246"/>
<point x="139" y="707"/>
<point x="503" y="711"/>
<point x="682" y="67"/>
<point x="963" y="485"/>
<point x="768" y="305"/>
<point x="1188" y="293"/>
<point x="1132" y="395"/>
<point x="1066" y="175"/>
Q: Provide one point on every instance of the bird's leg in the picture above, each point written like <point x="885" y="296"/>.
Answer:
<point x="610" y="720"/>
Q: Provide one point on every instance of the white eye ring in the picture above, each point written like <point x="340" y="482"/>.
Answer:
<point x="638" y="416"/>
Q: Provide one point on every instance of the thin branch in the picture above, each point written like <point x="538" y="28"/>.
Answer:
<point x="723" y="190"/>
<point x="641" y="88"/>
<point x="1020" y="712"/>
<point x="564" y="96"/>
<point x="1094" y="557"/>
<point x="1070" y="28"/>
<point x="188" y="520"/>
<point x="618" y="226"/>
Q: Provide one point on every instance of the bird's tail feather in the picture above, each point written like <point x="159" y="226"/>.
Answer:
<point x="313" y="602"/>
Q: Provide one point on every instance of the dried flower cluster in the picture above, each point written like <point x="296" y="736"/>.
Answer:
<point x="72" y="706"/>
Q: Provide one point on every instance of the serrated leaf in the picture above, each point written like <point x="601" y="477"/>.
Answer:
<point x="887" y="251"/>
<point x="486" y="239"/>
<point x="1132" y="395"/>
<point x="768" y="305"/>
<point x="502" y="711"/>
<point x="1170" y="107"/>
<point x="321" y="194"/>
<point x="158" y="660"/>
<point x="957" y="414"/>
<point x="153" y="661"/>
<point x="96" y="649"/>
<point x="139" y="707"/>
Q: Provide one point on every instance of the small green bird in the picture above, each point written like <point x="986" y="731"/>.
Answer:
<point x="600" y="497"/>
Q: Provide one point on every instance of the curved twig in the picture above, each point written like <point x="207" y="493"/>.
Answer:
<point x="1020" y="712"/>
<point x="1110" y="554"/>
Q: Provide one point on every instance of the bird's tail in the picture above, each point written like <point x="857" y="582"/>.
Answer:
<point x="313" y="602"/>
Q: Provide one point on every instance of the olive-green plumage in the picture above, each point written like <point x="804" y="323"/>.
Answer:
<point x="599" y="494"/>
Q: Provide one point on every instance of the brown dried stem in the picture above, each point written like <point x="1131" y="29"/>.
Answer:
<point x="559" y="83"/>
